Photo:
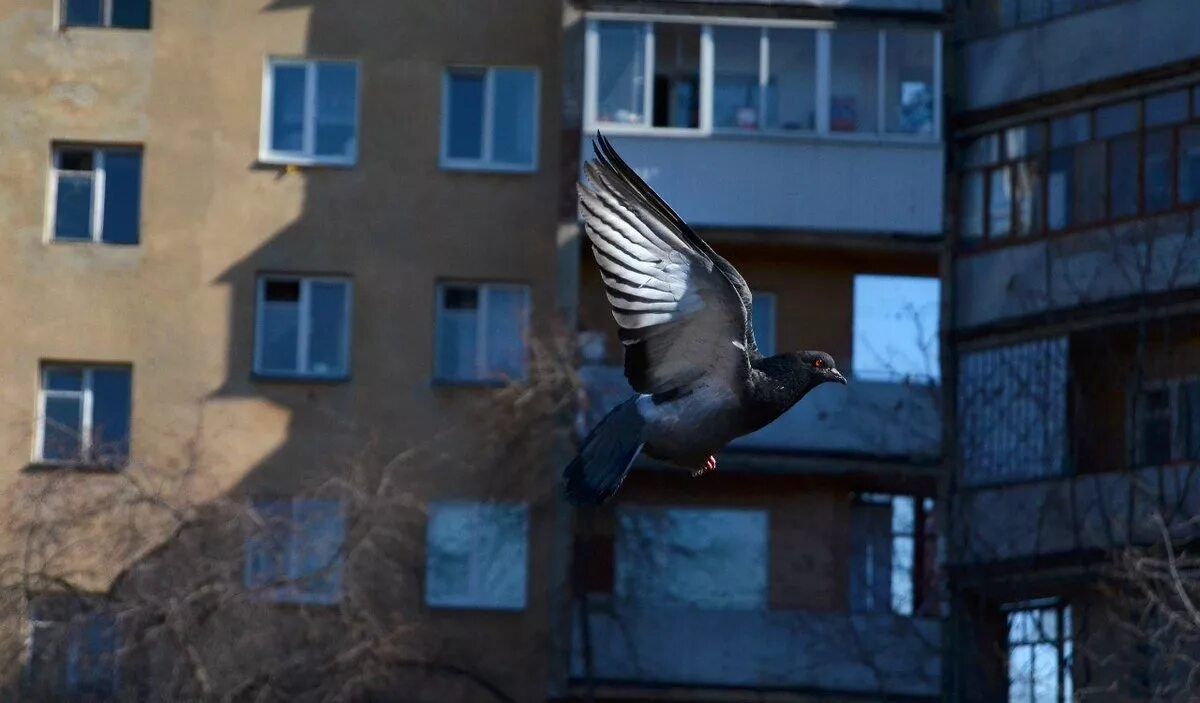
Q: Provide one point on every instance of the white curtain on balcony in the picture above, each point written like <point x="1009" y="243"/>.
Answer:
<point x="1012" y="412"/>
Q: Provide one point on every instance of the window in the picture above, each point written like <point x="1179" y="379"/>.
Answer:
<point x="896" y="327"/>
<point x="762" y="317"/>
<point x="884" y="531"/>
<point x="644" y="76"/>
<point x="1039" y="653"/>
<point x="481" y="331"/>
<point x="708" y="559"/>
<point x="490" y="119"/>
<point x="122" y="14"/>
<point x="303" y="327"/>
<point x="97" y="194"/>
<point x="477" y="556"/>
<point x="1079" y="170"/>
<point x="310" y="112"/>
<point x="853" y="105"/>
<point x="1166" y="423"/>
<point x="294" y="553"/>
<point x="992" y="16"/>
<point x="84" y="415"/>
<point x="909" y="94"/>
<point x="73" y="649"/>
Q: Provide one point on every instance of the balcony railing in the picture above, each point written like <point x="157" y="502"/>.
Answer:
<point x="1097" y="512"/>
<point x="864" y="418"/>
<point x="866" y="654"/>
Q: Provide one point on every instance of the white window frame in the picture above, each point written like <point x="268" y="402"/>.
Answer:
<point x="293" y="590"/>
<point x="99" y="181"/>
<point x="302" y="326"/>
<point x="307" y="155"/>
<point x="477" y="597"/>
<point x="86" y="399"/>
<point x="480" y="337"/>
<point x="824" y="31"/>
<point x="487" y="161"/>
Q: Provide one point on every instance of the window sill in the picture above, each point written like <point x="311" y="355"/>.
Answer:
<point x="471" y="383"/>
<point x="269" y="161"/>
<point x="304" y="379"/>
<point x="466" y="606"/>
<point x="86" y="242"/>
<point x="106" y="28"/>
<point x="486" y="167"/>
<point x="82" y="467"/>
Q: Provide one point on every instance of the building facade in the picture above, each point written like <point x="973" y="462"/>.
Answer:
<point x="265" y="265"/>
<point x="1071" y="338"/>
<point x="803" y="141"/>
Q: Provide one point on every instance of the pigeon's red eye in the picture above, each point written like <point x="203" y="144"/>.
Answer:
<point x="819" y="363"/>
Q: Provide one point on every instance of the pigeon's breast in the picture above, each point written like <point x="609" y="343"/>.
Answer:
<point x="697" y="424"/>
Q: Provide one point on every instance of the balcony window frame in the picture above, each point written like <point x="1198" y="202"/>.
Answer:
<point x="1178" y="413"/>
<point x="1062" y="640"/>
<point x="98" y="176"/>
<point x="967" y="167"/>
<point x="307" y="156"/>
<point x="304" y="305"/>
<point x="487" y="160"/>
<point x="823" y="30"/>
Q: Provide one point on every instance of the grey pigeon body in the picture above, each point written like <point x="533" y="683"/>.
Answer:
<point x="684" y="320"/>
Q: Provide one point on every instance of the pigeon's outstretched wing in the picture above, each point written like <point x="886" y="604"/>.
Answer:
<point x="683" y="311"/>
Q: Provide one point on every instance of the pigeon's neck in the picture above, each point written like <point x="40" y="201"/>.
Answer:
<point x="777" y="383"/>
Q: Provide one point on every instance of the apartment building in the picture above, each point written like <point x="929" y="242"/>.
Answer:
<point x="275" y="254"/>
<point x="1071" y="338"/>
<point x="803" y="140"/>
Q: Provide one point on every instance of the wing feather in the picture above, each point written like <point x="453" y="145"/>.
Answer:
<point x="683" y="311"/>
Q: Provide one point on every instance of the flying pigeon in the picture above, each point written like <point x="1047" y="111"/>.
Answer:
<point x="690" y="355"/>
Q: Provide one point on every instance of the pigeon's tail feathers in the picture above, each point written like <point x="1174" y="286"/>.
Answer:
<point x="605" y="457"/>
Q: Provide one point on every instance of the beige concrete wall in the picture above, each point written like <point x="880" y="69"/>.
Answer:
<point x="180" y="306"/>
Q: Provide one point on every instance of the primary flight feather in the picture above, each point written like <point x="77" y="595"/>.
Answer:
<point x="683" y="314"/>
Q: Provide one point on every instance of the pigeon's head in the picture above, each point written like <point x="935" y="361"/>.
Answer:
<point x="820" y="367"/>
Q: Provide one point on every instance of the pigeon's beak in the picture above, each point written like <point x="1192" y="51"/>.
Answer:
<point x="836" y="376"/>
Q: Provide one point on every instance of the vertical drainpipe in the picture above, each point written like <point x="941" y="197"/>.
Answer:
<point x="952" y="625"/>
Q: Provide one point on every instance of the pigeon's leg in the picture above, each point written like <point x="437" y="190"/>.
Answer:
<point x="710" y="465"/>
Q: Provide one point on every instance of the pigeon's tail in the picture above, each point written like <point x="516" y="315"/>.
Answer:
<point x="605" y="456"/>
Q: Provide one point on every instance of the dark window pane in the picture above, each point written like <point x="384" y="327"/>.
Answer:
<point x="854" y="81"/>
<point x="1189" y="164"/>
<point x="1059" y="185"/>
<point x="111" y="409"/>
<point x="131" y="14"/>
<point x="84" y="13"/>
<point x="1168" y="108"/>
<point x="1116" y="119"/>
<point x="1027" y="191"/>
<point x="621" y="76"/>
<point x="327" y="328"/>
<point x="971" y="205"/>
<point x="1156" y="441"/>
<point x="735" y="77"/>
<point x="95" y="664"/>
<point x="457" y="298"/>
<point x="76" y="160"/>
<point x="282" y="291"/>
<point x="1071" y="129"/>
<point x="1000" y="203"/>
<point x="1189" y="394"/>
<point x="1123" y="177"/>
<point x="514" y="115"/>
<point x="122" y="197"/>
<point x="64" y="380"/>
<point x="982" y="151"/>
<point x="791" y="100"/>
<point x="287" y="108"/>
<point x="280" y="330"/>
<point x="676" y="75"/>
<point x="1088" y="191"/>
<point x="909" y="81"/>
<point x="61" y="429"/>
<point x="1160" y="181"/>
<point x="73" y="209"/>
<point x="464" y="124"/>
<point x="337" y="109"/>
